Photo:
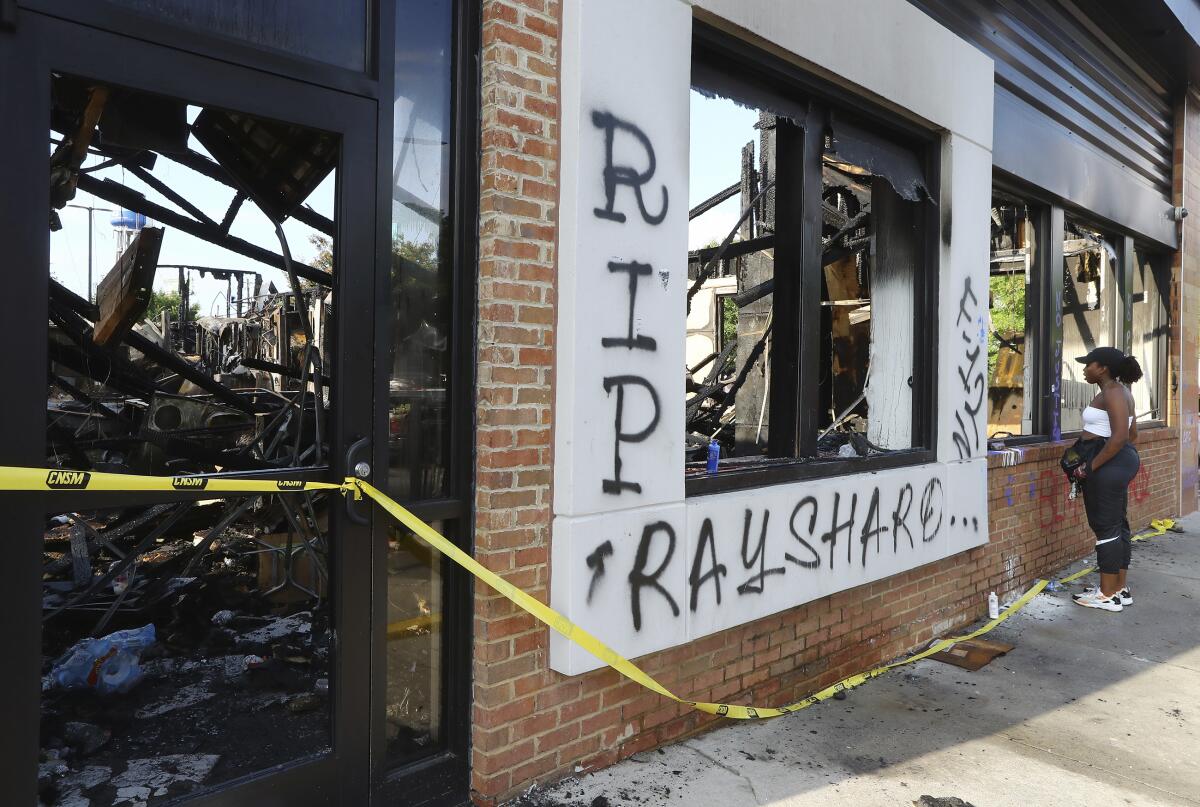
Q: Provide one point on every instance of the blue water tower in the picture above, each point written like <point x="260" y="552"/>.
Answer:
<point x="126" y="225"/>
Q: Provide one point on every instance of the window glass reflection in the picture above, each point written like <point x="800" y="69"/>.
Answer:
<point x="414" y="644"/>
<point x="303" y="27"/>
<point x="421" y="306"/>
<point x="421" y="288"/>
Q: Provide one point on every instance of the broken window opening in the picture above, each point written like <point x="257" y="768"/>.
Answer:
<point x="1011" y="337"/>
<point x="1151" y="330"/>
<point x="746" y="278"/>
<point x="186" y="644"/>
<point x="1089" y="311"/>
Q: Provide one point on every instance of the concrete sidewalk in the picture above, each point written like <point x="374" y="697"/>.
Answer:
<point x="1091" y="708"/>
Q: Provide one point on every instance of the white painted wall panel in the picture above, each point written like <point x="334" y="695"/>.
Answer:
<point x="593" y="558"/>
<point x="896" y="53"/>
<point x="963" y="300"/>
<point x="631" y="59"/>
<point x="625" y="81"/>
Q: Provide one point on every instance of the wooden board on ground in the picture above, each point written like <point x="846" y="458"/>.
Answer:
<point x="973" y="653"/>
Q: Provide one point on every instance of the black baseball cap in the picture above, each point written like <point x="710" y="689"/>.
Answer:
<point x="1109" y="357"/>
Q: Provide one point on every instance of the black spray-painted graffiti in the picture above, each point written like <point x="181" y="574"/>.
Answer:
<point x="631" y="340"/>
<point x="638" y="579"/>
<point x="615" y="176"/>
<point x="970" y="372"/>
<point x="595" y="562"/>
<point x="847" y="532"/>
<point x="616" y="484"/>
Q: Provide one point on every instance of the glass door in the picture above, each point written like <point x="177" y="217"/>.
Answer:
<point x="190" y="282"/>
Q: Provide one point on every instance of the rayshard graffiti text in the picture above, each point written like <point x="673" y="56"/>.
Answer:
<point x="838" y="533"/>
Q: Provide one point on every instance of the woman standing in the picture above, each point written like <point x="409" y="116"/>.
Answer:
<point x="1105" y="478"/>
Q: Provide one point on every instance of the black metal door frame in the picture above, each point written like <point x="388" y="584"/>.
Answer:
<point x="29" y="52"/>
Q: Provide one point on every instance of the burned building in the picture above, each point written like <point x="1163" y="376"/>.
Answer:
<point x="740" y="333"/>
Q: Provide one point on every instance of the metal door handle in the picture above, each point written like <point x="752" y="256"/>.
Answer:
<point x="357" y="464"/>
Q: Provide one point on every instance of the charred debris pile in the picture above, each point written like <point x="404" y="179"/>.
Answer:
<point x="233" y="591"/>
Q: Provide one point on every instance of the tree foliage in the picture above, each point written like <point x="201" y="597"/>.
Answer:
<point x="168" y="301"/>
<point x="1008" y="314"/>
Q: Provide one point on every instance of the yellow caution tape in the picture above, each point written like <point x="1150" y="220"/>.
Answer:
<point x="1157" y="527"/>
<point x="42" y="479"/>
<point x="31" y="479"/>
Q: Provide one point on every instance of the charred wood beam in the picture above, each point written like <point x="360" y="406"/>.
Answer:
<point x="132" y="524"/>
<point x="91" y="360"/>
<point x="706" y="270"/>
<point x="731" y="393"/>
<point x="234" y="206"/>
<point x="84" y="398"/>
<point x="279" y="369"/>
<point x="173" y="361"/>
<point x="129" y="199"/>
<point x="162" y="356"/>
<point x="712" y="382"/>
<point x="99" y="368"/>
<point x="714" y="200"/>
<point x="693" y="370"/>
<point x="167" y="191"/>
<point x="203" y="165"/>
<point x="73" y="301"/>
<point x="754" y="294"/>
<point x="849" y="226"/>
<point x="232" y="514"/>
<point x="735" y="250"/>
<point x="123" y="564"/>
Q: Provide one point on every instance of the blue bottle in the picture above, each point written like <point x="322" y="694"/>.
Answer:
<point x="714" y="456"/>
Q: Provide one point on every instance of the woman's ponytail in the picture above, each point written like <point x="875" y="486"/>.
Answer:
<point x="1129" y="371"/>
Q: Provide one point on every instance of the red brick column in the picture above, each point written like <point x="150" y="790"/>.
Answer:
<point x="517" y="231"/>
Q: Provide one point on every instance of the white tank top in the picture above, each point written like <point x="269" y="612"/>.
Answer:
<point x="1096" y="421"/>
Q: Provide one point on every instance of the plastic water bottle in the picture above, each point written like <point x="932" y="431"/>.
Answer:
<point x="714" y="456"/>
<point x="993" y="606"/>
<point x="108" y="665"/>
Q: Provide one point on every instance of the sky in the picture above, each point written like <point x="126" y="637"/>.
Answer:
<point x="720" y="128"/>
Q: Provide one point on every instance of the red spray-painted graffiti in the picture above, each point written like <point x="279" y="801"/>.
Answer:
<point x="1052" y="491"/>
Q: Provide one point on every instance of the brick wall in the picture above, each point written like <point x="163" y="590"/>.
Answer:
<point x="531" y="724"/>
<point x="519" y="174"/>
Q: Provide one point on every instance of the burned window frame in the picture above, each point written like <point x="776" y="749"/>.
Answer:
<point x="1049" y="219"/>
<point x="1042" y="300"/>
<point x="1159" y="261"/>
<point x="793" y="403"/>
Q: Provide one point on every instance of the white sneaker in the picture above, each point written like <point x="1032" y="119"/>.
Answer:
<point x="1094" y="599"/>
<point x="1123" y="595"/>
